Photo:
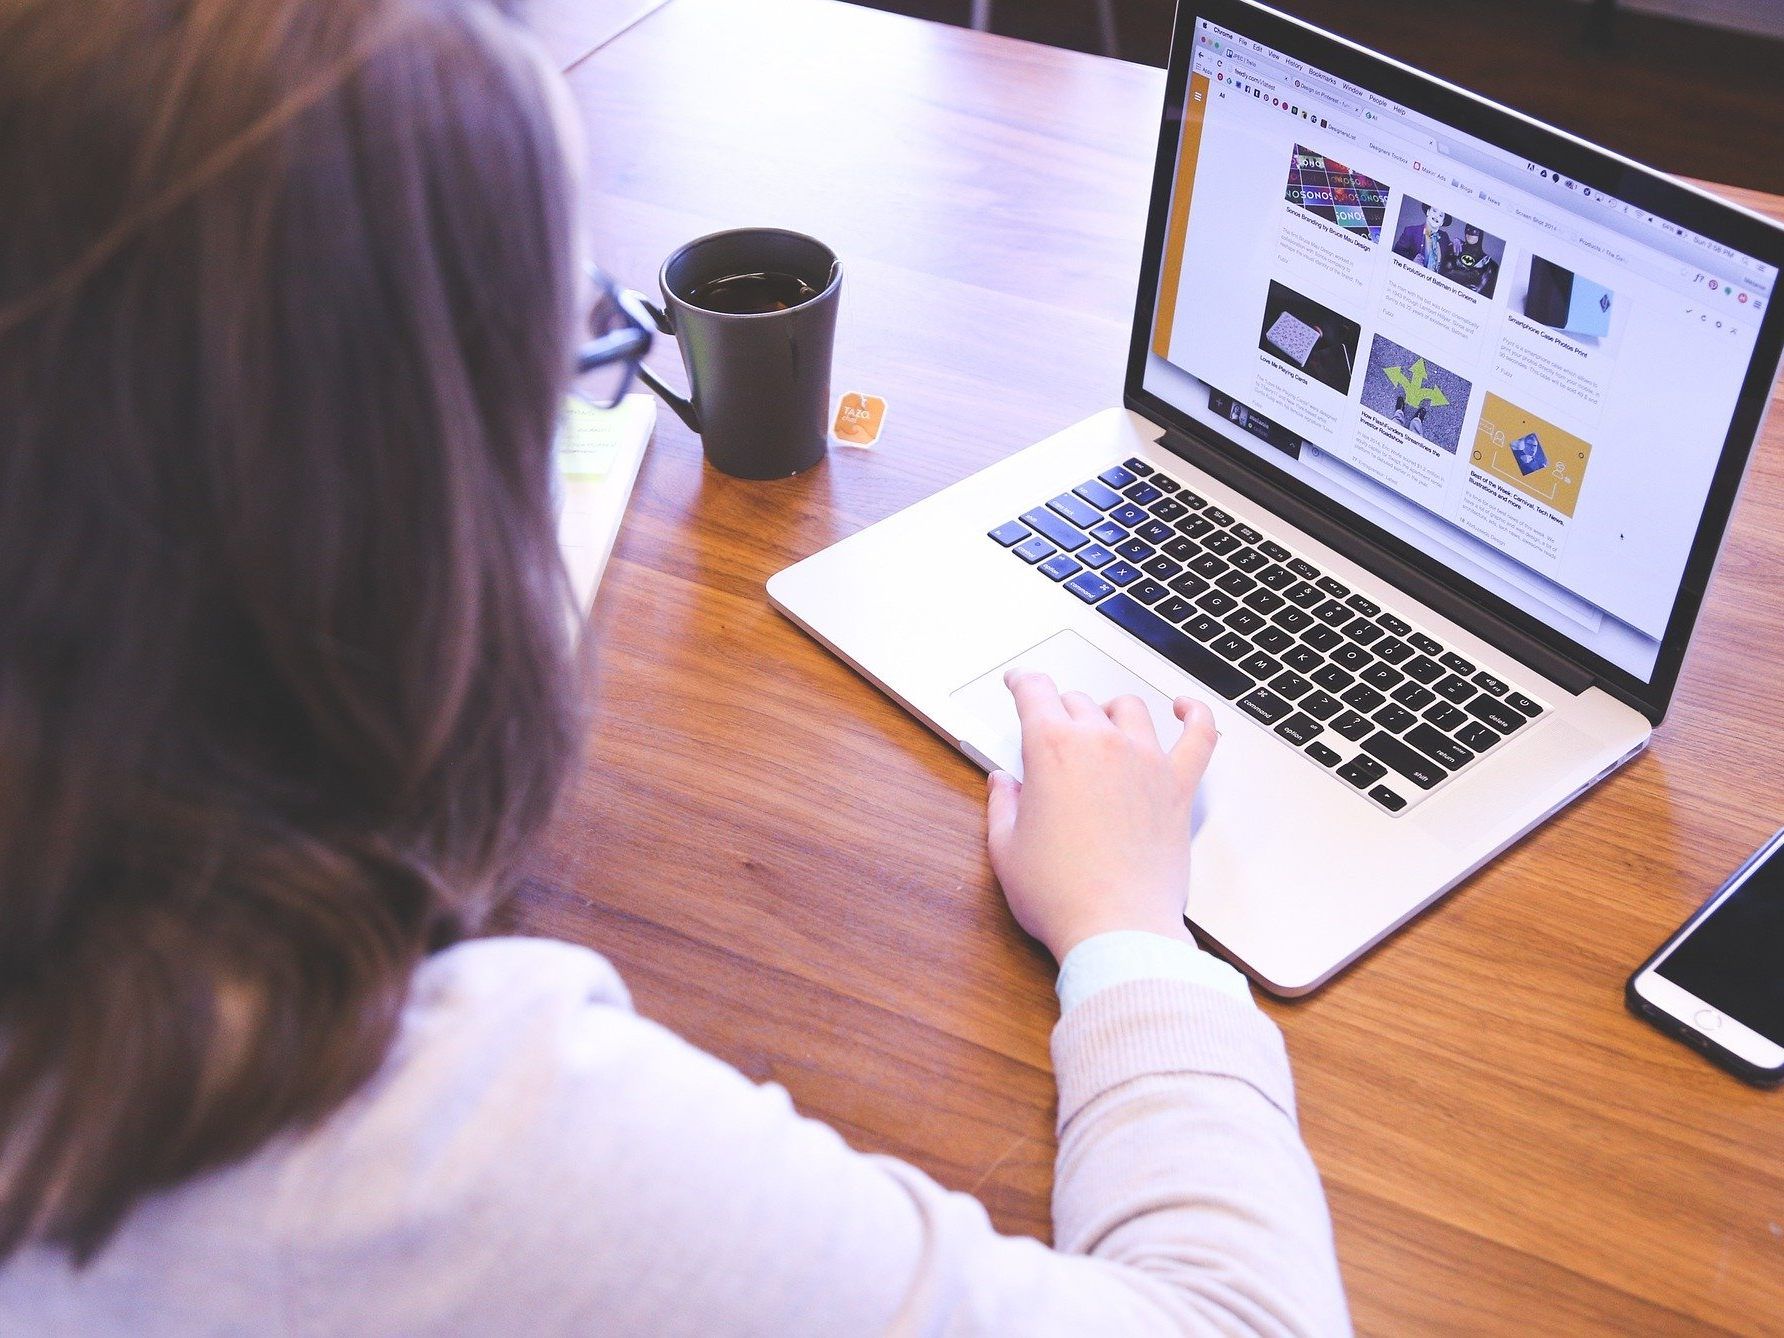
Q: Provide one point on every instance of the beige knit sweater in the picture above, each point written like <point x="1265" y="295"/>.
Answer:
<point x="535" y="1158"/>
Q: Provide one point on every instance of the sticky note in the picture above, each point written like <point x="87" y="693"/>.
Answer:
<point x="859" y="420"/>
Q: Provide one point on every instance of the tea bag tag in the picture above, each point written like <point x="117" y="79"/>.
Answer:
<point x="859" y="420"/>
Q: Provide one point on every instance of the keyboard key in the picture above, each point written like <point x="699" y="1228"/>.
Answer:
<point x="1235" y="583"/>
<point x="1246" y="622"/>
<point x="1336" y="589"/>
<point x="1382" y="677"/>
<point x="1098" y="494"/>
<point x="1161" y="568"/>
<point x="1321" y="637"/>
<point x="1362" y="631"/>
<point x="1452" y="661"/>
<point x="1221" y="541"/>
<point x="1155" y="532"/>
<point x="1362" y="772"/>
<point x="1274" y="639"/>
<point x="1063" y="534"/>
<point x="1264" y="601"/>
<point x="1487" y="683"/>
<point x="1246" y="533"/>
<point x="1477" y="737"/>
<point x="1453" y="689"/>
<point x="1193" y="500"/>
<point x="1075" y="509"/>
<point x="1352" y="656"/>
<point x="1353" y="726"/>
<point x="1303" y="595"/>
<point x="1394" y="718"/>
<point x="1089" y="587"/>
<point x="1321" y="754"/>
<point x="1189" y="585"/>
<point x="1010" y="532"/>
<point x="1248" y="559"/>
<point x="1394" y="626"/>
<point x="1230" y="646"/>
<point x="1332" y="678"/>
<point x="1276" y="577"/>
<point x="1139" y="467"/>
<point x="1094" y="555"/>
<point x="1141" y="493"/>
<point x="1207" y="565"/>
<point x="1393" y="650"/>
<point x="1165" y="483"/>
<point x="1058" y="567"/>
<point x="1304" y="659"/>
<point x="1286" y="684"/>
<point x="1303" y="568"/>
<point x="1129" y="515"/>
<point x="1265" y="705"/>
<point x="1218" y="516"/>
<point x="1321" y="705"/>
<point x="1188" y="655"/>
<point x="1424" y="643"/>
<point x="1413" y="696"/>
<point x="1392" y="802"/>
<point x="1135" y="550"/>
<point x="1168" y="508"/>
<point x="1298" y="729"/>
<point x="1108" y="533"/>
<point x="1180" y="548"/>
<point x="1033" y="549"/>
<point x="1332" y="613"/>
<point x="1292" y="618"/>
<point x="1273" y="550"/>
<point x="1524" y="704"/>
<point x="1203" y="626"/>
<point x="1423" y="669"/>
<point x="1439" y="747"/>
<point x="1175" y="609"/>
<point x="1409" y="762"/>
<point x="1364" y="605"/>
<point x="1260" y="665"/>
<point x="1217" y="602"/>
<point x="1121" y="573"/>
<point x="1194" y="526"/>
<point x="1117" y="477"/>
<point x="1445" y="716"/>
<point x="1496" y="713"/>
<point x="1362" y="697"/>
<point x="1147" y="591"/>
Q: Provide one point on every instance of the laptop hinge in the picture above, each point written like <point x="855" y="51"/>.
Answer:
<point x="1518" y="644"/>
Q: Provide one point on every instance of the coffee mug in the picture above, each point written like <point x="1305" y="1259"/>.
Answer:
<point x="754" y="310"/>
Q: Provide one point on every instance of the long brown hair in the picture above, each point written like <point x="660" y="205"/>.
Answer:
<point x="286" y="296"/>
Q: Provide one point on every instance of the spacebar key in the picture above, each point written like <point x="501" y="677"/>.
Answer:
<point x="1187" y="654"/>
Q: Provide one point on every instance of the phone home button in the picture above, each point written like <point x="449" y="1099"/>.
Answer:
<point x="1708" y="1019"/>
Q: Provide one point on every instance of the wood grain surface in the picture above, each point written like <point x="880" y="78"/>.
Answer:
<point x="790" y="871"/>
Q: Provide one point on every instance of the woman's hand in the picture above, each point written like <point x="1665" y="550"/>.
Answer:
<point x="1096" y="835"/>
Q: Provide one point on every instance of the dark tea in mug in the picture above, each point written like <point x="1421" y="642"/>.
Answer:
<point x="752" y="294"/>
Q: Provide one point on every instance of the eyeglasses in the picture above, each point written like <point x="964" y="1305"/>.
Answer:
<point x="621" y="324"/>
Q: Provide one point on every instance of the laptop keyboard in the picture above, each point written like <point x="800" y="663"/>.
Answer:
<point x="1355" y="688"/>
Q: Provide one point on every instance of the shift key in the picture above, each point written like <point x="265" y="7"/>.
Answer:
<point x="1413" y="765"/>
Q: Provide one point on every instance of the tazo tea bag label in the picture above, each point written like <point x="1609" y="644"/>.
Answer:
<point x="859" y="419"/>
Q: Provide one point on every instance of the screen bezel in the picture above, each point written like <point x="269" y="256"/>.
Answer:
<point x="1470" y="603"/>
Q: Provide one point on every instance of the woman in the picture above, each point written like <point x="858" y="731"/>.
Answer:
<point x="288" y="299"/>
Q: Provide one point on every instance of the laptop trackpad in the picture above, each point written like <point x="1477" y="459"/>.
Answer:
<point x="1074" y="665"/>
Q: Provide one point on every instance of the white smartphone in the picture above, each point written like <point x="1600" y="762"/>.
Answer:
<point x="1718" y="984"/>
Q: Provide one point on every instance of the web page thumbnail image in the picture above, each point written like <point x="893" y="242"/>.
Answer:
<point x="1562" y="300"/>
<point x="1534" y="456"/>
<point x="1464" y="253"/>
<point x="1310" y="337"/>
<point x="1414" y="392"/>
<point x="1326" y="187"/>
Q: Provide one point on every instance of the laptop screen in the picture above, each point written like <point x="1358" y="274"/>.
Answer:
<point x="1528" y="380"/>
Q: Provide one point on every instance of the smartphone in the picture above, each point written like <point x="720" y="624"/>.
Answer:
<point x="1718" y="984"/>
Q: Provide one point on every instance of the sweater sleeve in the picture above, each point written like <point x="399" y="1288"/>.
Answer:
<point x="605" y="1175"/>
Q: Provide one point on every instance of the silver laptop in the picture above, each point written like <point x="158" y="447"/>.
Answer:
<point x="1433" y="421"/>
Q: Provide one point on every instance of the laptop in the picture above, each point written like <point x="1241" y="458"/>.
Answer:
<point x="1433" y="421"/>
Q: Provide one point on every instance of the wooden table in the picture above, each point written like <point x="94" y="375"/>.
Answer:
<point x="791" y="873"/>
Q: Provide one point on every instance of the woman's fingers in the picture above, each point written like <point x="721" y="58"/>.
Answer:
<point x="1133" y="719"/>
<point x="1189" y="755"/>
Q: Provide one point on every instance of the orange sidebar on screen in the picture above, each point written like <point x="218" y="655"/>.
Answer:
<point x="1195" y="108"/>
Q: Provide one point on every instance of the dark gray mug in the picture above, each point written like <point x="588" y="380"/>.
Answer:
<point x="758" y="381"/>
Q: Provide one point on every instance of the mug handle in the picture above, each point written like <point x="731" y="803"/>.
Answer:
<point x="684" y="409"/>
